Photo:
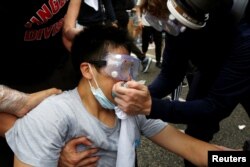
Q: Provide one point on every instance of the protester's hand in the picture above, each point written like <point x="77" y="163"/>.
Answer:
<point x="71" y="158"/>
<point x="34" y="99"/>
<point x="134" y="98"/>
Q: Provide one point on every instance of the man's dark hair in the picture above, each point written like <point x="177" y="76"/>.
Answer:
<point x="94" y="42"/>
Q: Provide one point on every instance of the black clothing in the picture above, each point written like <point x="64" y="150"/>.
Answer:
<point x="88" y="16"/>
<point x="33" y="55"/>
<point x="122" y="16"/>
<point x="120" y="8"/>
<point x="149" y="32"/>
<point x="31" y="40"/>
<point x="205" y="50"/>
<point x="221" y="53"/>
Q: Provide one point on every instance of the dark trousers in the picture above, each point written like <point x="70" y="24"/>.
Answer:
<point x="149" y="33"/>
<point x="123" y="19"/>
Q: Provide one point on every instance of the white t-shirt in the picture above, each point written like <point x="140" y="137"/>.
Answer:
<point x="37" y="138"/>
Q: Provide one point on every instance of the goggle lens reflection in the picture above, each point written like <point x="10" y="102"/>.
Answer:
<point x="122" y="67"/>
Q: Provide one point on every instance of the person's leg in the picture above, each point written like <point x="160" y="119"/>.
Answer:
<point x="137" y="52"/>
<point x="145" y="43"/>
<point x="146" y="33"/>
<point x="157" y="37"/>
<point x="123" y="21"/>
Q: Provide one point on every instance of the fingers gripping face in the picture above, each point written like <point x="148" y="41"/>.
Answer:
<point x="134" y="98"/>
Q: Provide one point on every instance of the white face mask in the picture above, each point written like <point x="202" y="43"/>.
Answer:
<point x="99" y="95"/>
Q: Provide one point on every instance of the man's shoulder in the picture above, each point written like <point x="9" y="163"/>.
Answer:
<point x="66" y="97"/>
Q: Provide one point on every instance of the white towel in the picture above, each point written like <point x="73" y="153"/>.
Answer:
<point x="92" y="3"/>
<point x="126" y="145"/>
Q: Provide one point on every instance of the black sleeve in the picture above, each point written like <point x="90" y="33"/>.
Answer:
<point x="174" y="68"/>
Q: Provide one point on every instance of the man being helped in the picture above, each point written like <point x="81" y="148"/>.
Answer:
<point x="101" y="56"/>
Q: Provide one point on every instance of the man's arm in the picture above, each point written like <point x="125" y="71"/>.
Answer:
<point x="18" y="163"/>
<point x="6" y="122"/>
<point x="8" y="115"/>
<point x="186" y="146"/>
<point x="11" y="100"/>
<point x="69" y="27"/>
<point x="18" y="103"/>
<point x="15" y="104"/>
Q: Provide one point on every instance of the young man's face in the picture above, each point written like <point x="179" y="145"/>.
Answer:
<point x="120" y="67"/>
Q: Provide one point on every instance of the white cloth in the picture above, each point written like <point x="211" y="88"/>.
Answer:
<point x="126" y="145"/>
<point x="92" y="3"/>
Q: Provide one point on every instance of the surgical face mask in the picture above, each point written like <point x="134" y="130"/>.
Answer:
<point x="99" y="95"/>
<point x="120" y="66"/>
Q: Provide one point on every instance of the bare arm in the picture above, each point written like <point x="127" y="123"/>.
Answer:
<point x="11" y="100"/>
<point x="18" y="163"/>
<point x="6" y="122"/>
<point x="18" y="103"/>
<point x="15" y="104"/>
<point x="185" y="146"/>
<point x="70" y="19"/>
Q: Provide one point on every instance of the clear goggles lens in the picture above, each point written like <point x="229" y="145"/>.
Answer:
<point x="121" y="66"/>
<point x="171" y="25"/>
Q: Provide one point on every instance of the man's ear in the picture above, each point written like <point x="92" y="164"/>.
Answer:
<point x="86" y="71"/>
